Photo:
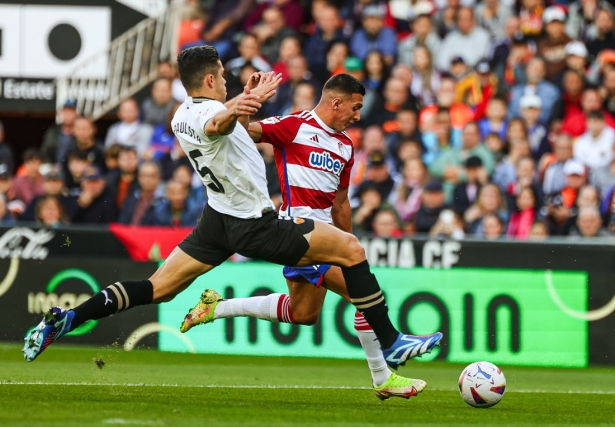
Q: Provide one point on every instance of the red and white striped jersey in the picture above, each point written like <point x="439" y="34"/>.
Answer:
<point x="313" y="161"/>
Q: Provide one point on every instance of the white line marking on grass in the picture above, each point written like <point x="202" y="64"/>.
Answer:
<point x="281" y="387"/>
<point x="124" y="421"/>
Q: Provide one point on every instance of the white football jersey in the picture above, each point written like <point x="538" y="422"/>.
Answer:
<point x="230" y="166"/>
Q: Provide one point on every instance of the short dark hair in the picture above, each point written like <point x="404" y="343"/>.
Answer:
<point x="194" y="63"/>
<point x="32" y="154"/>
<point x="344" y="84"/>
<point x="128" y="149"/>
<point x="595" y="114"/>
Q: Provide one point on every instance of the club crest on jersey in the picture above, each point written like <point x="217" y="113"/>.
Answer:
<point x="325" y="162"/>
<point x="341" y="147"/>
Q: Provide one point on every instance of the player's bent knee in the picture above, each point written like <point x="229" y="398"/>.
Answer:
<point x="308" y="319"/>
<point x="356" y="251"/>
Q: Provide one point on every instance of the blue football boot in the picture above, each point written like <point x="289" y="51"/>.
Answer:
<point x="56" y="323"/>
<point x="408" y="346"/>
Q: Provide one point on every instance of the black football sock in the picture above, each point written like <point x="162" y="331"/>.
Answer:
<point x="117" y="297"/>
<point x="366" y="296"/>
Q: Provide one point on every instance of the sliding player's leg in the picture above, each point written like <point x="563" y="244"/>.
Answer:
<point x="301" y="306"/>
<point x="177" y="272"/>
<point x="329" y="245"/>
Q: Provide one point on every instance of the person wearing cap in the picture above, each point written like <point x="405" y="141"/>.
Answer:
<point x="576" y="58"/>
<point x="491" y="15"/>
<point x="433" y="202"/>
<point x="582" y="16"/>
<point x="57" y="138"/>
<point x="327" y="32"/>
<point x="536" y="83"/>
<point x="552" y="47"/>
<point x="595" y="147"/>
<point x="449" y="165"/>
<point x="374" y="35"/>
<point x="468" y="41"/>
<point x="6" y="153"/>
<point x="53" y="186"/>
<point x="465" y="193"/>
<point x="30" y="185"/>
<point x="531" y="109"/>
<point x="558" y="206"/>
<point x="605" y="37"/>
<point x="96" y="204"/>
<point x="423" y="34"/>
<point x="378" y="176"/>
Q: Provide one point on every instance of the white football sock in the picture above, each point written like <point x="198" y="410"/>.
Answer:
<point x="371" y="346"/>
<point x="259" y="307"/>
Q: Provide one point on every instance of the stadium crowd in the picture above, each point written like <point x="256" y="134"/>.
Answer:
<point x="492" y="118"/>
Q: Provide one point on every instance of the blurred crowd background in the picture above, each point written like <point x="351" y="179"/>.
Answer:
<point x="490" y="118"/>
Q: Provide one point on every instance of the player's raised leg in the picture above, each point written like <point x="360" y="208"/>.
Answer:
<point x="177" y="272"/>
<point x="329" y="245"/>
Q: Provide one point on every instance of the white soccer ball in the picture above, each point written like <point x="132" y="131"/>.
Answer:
<point x="482" y="384"/>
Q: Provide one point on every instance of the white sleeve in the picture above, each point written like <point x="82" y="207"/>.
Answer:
<point x="206" y="112"/>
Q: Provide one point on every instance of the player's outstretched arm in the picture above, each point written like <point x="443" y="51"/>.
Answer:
<point x="255" y="130"/>
<point x="341" y="214"/>
<point x="224" y="122"/>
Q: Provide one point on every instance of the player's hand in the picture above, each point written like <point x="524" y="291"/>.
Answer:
<point x="267" y="84"/>
<point x="254" y="80"/>
<point x="247" y="103"/>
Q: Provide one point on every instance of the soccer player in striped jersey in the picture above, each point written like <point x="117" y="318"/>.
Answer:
<point x="314" y="157"/>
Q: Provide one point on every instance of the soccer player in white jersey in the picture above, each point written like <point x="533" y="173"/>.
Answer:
<point x="314" y="162"/>
<point x="239" y="216"/>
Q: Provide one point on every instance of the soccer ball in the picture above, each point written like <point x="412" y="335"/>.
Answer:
<point x="482" y="384"/>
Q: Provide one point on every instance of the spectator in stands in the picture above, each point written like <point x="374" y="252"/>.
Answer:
<point x="511" y="70"/>
<point x="558" y="206"/>
<point x="433" y="202"/>
<point x="6" y="218"/>
<point x="443" y="137"/>
<point x="552" y="47"/>
<point x="523" y="215"/>
<point x="531" y="18"/>
<point x="595" y="147"/>
<point x="370" y="201"/>
<point x="173" y="159"/>
<point x="123" y="181"/>
<point x="6" y="153"/>
<point x="425" y="79"/>
<point x="589" y="224"/>
<point x="495" y="120"/>
<point x="374" y="35"/>
<point x="271" y="31"/>
<point x="468" y="41"/>
<point x="495" y="144"/>
<point x="449" y="225"/>
<point x="224" y="21"/>
<point x="408" y="197"/>
<point x="249" y="52"/>
<point x="405" y="128"/>
<point x="197" y="193"/>
<point x="376" y="72"/>
<point x="373" y="141"/>
<point x="53" y="186"/>
<point x="297" y="72"/>
<point x="555" y="178"/>
<point x="155" y="108"/>
<point x="327" y="32"/>
<point x="129" y="131"/>
<point x="605" y="34"/>
<point x="506" y="171"/>
<point x="175" y="210"/>
<point x="531" y="110"/>
<point x="445" y="19"/>
<point x="396" y="96"/>
<point x="84" y="132"/>
<point x="539" y="231"/>
<point x="76" y="166"/>
<point x="449" y="166"/>
<point x="422" y="35"/>
<point x="604" y="177"/>
<point x="96" y="203"/>
<point x="304" y="98"/>
<point x="609" y="92"/>
<point x="169" y="71"/>
<point x="492" y="15"/>
<point x="163" y="137"/>
<point x="501" y="47"/>
<point x="525" y="178"/>
<point x="289" y="48"/>
<point x="30" y="185"/>
<point x="111" y="157"/>
<point x="291" y="9"/>
<point x="378" y="176"/>
<point x="568" y="108"/>
<point x="489" y="201"/>
<point x="58" y="137"/>
<point x="582" y="15"/>
<point x="337" y="53"/>
<point x="576" y="61"/>
<point x="492" y="226"/>
<point x="465" y="193"/>
<point x="460" y="114"/>
<point x="50" y="212"/>
<point x="386" y="224"/>
<point x="138" y="207"/>
<point x="547" y="91"/>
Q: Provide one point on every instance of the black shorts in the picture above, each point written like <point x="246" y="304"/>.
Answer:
<point x="217" y="236"/>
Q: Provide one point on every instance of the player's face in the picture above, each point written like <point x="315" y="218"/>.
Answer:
<point x="220" y="84"/>
<point x="349" y="111"/>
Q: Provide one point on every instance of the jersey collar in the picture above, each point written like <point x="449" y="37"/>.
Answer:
<point x="321" y="123"/>
<point x="199" y="99"/>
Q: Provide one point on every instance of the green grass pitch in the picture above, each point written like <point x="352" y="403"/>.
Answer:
<point x="64" y="387"/>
